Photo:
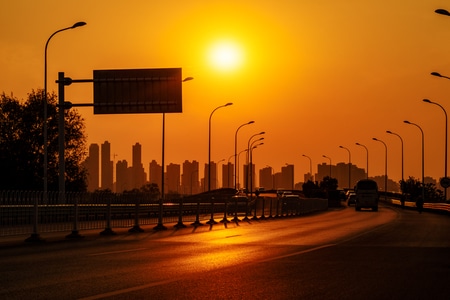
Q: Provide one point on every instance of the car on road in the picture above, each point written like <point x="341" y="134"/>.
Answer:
<point x="351" y="199"/>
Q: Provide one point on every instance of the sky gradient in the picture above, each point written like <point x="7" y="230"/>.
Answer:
<point x="313" y="75"/>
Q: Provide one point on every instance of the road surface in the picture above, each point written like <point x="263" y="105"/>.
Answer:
<point x="338" y="254"/>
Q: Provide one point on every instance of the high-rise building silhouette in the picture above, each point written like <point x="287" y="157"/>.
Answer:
<point x="107" y="167"/>
<point x="266" y="178"/>
<point x="287" y="175"/>
<point x="92" y="165"/>
<point x="173" y="179"/>
<point x="213" y="176"/>
<point x="189" y="178"/>
<point x="138" y="176"/>
<point x="227" y="175"/>
<point x="122" y="176"/>
<point x="155" y="172"/>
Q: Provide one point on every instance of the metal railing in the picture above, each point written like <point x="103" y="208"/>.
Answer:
<point x="24" y="212"/>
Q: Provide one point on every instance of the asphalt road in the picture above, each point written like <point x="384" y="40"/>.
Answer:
<point x="339" y="254"/>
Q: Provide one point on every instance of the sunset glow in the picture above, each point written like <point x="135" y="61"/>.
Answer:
<point x="225" y="56"/>
<point x="312" y="74"/>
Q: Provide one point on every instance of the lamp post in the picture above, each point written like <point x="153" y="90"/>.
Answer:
<point x="211" y="220"/>
<point x="249" y="163"/>
<point x="228" y="169"/>
<point x="310" y="166"/>
<point x="160" y="225"/>
<point x="209" y="143"/>
<point x="248" y="148"/>
<point x="251" y="177"/>
<point x="423" y="157"/>
<point x="78" y="24"/>
<point x="349" y="166"/>
<point x="235" y="151"/>
<point x="239" y="154"/>
<point x="446" y="139"/>
<point x="401" y="140"/>
<point x="385" y="166"/>
<point x="367" y="158"/>
<point x="330" y="162"/>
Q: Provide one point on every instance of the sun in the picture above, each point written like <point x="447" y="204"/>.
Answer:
<point x="225" y="55"/>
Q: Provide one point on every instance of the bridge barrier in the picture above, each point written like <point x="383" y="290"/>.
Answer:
<point x="28" y="212"/>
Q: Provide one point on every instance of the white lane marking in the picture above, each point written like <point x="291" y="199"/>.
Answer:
<point x="162" y="282"/>
<point x="116" y="252"/>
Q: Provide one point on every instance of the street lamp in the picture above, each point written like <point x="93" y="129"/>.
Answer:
<point x="209" y="143"/>
<point x="235" y="151"/>
<point x="330" y="162"/>
<point x="385" y="166"/>
<point x="212" y="221"/>
<point x="78" y="24"/>
<point x="446" y="139"/>
<point x="439" y="75"/>
<point x="349" y="166"/>
<point x="160" y="225"/>
<point x="248" y="149"/>
<point x="239" y="154"/>
<point x="423" y="157"/>
<point x="249" y="163"/>
<point x="367" y="158"/>
<point x="310" y="166"/>
<point x="401" y="140"/>
<point x="251" y="177"/>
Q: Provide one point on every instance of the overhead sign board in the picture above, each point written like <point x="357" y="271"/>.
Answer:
<point x="137" y="91"/>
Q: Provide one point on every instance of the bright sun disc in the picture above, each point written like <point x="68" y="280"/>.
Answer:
<point x="225" y="56"/>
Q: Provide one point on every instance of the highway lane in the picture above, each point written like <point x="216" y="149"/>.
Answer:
<point x="339" y="254"/>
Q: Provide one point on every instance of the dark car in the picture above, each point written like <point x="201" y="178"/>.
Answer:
<point x="351" y="200"/>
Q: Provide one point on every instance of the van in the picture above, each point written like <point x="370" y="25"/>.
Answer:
<point x="366" y="191"/>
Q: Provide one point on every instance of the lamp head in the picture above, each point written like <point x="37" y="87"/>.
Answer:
<point x="442" y="12"/>
<point x="188" y="79"/>
<point x="375" y="139"/>
<point x="228" y="104"/>
<point x="407" y="122"/>
<point x="251" y="122"/>
<point x="436" y="74"/>
<point x="427" y="101"/>
<point x="78" y="24"/>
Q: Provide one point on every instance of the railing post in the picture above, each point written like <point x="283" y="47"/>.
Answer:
<point x="75" y="234"/>
<point x="225" y="220"/>
<point x="236" y="219"/>
<point x="263" y="217"/>
<point x="108" y="230"/>
<point x="180" y="215"/>
<point x="270" y="209"/>
<point x="136" y="228"/>
<point x="197" y="216"/>
<point x="255" y="217"/>
<point x="35" y="237"/>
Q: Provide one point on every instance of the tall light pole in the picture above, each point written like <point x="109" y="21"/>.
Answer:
<point x="78" y="24"/>
<point x="310" y="166"/>
<point x="349" y="166"/>
<point x="330" y="163"/>
<point x="423" y="157"/>
<point x="249" y="156"/>
<point x="160" y="225"/>
<point x="401" y="140"/>
<point x="446" y="140"/>
<point x="235" y="151"/>
<point x="248" y="149"/>
<point x="237" y="162"/>
<point x="367" y="158"/>
<point x="385" y="166"/>
<point x="209" y="143"/>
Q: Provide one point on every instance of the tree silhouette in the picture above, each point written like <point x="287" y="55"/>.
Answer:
<point x="21" y="144"/>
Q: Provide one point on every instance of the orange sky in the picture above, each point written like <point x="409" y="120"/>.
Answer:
<point x="313" y="75"/>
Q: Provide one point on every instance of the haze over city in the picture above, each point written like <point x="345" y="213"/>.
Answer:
<point x="313" y="75"/>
